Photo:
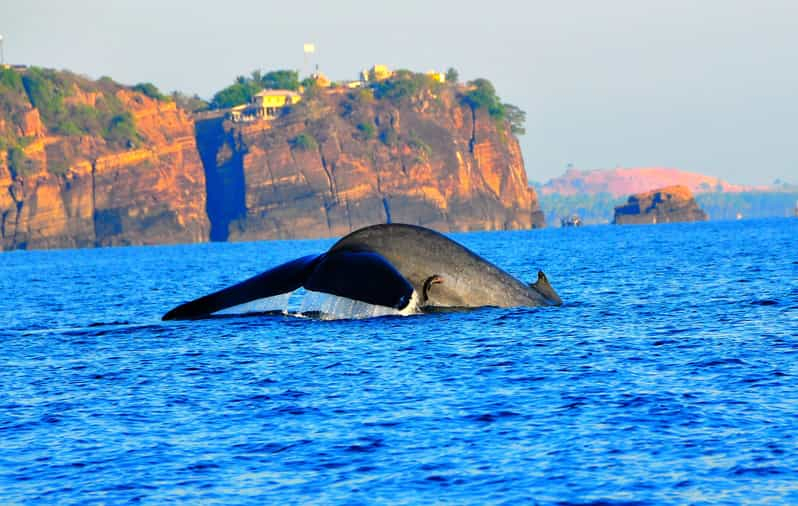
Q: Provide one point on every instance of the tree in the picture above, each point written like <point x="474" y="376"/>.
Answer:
<point x="149" y="90"/>
<point x="516" y="117"/>
<point x="281" y="80"/>
<point x="235" y="94"/>
<point x="452" y="76"/>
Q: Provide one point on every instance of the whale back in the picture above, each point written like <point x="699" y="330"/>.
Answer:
<point x="468" y="279"/>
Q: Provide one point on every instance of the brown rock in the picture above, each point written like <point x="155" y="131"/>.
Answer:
<point x="80" y="193"/>
<point x="665" y="205"/>
<point x="434" y="163"/>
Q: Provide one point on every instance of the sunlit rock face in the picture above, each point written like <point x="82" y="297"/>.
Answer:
<point x="432" y="161"/>
<point x="664" y="205"/>
<point x="429" y="160"/>
<point x="83" y="191"/>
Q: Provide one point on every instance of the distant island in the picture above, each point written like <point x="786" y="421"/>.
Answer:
<point x="594" y="194"/>
<point x="88" y="163"/>
<point x="672" y="204"/>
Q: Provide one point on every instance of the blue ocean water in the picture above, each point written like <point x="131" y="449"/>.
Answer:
<point x="669" y="376"/>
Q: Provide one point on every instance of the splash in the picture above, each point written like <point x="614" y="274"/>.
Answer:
<point x="310" y="304"/>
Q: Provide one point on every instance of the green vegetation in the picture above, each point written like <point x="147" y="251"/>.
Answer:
<point x="304" y="142"/>
<point x="191" y="103"/>
<point x="592" y="209"/>
<point x="366" y="130"/>
<point x="516" y="118"/>
<point x="281" y="80"/>
<point x="121" y="129"/>
<point x="240" y="92"/>
<point x="725" y="206"/>
<point x="150" y="90"/>
<point x="404" y="85"/>
<point x="18" y="163"/>
<point x="482" y="95"/>
<point x="244" y="88"/>
<point x="47" y="91"/>
<point x="11" y="80"/>
<point x="452" y="76"/>
<point x="68" y="105"/>
<point x="600" y="208"/>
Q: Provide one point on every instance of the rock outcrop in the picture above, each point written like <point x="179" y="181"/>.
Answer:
<point x="92" y="163"/>
<point x="84" y="191"/>
<point x="345" y="160"/>
<point x="665" y="205"/>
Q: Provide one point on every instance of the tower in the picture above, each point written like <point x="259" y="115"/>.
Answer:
<point x="309" y="49"/>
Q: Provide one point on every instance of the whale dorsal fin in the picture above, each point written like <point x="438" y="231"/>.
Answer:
<point x="543" y="287"/>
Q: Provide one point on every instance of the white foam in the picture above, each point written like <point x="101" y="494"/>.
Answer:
<point x="320" y="305"/>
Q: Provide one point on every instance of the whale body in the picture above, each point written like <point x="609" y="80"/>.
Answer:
<point x="405" y="267"/>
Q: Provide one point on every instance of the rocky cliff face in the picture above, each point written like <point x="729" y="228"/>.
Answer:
<point x="665" y="205"/>
<point x="80" y="190"/>
<point x="343" y="160"/>
<point x="92" y="163"/>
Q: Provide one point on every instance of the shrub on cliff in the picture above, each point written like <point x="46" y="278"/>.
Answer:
<point x="191" y="103"/>
<point x="149" y="90"/>
<point x="46" y="89"/>
<point x="121" y="130"/>
<point x="11" y="80"/>
<point x="403" y="85"/>
<point x="366" y="130"/>
<point x="18" y="163"/>
<point x="304" y="142"/>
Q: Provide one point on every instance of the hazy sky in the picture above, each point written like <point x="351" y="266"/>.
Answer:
<point x="703" y="85"/>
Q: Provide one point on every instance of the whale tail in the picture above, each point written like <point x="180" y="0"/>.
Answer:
<point x="359" y="275"/>
<point x="543" y="287"/>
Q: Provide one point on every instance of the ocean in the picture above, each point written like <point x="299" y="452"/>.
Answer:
<point x="669" y="376"/>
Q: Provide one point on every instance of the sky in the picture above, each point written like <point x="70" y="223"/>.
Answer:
<point x="706" y="86"/>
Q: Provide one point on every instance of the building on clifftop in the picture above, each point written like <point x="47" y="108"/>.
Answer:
<point x="265" y="104"/>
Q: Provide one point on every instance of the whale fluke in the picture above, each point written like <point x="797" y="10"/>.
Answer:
<point x="391" y="265"/>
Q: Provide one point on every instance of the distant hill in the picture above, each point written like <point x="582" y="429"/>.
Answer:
<point x="623" y="182"/>
<point x="593" y="194"/>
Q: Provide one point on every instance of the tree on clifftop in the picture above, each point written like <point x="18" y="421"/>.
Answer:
<point x="482" y="95"/>
<point x="244" y="88"/>
<point x="281" y="80"/>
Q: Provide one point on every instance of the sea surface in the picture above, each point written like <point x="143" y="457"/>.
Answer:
<point x="669" y="376"/>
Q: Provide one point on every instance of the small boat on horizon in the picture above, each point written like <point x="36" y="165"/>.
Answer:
<point x="572" y="221"/>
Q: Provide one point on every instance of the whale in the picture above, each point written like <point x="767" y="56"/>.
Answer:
<point x="408" y="268"/>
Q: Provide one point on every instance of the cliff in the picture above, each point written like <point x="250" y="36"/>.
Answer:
<point x="665" y="205"/>
<point x="343" y="159"/>
<point x="624" y="181"/>
<point x="90" y="163"/>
